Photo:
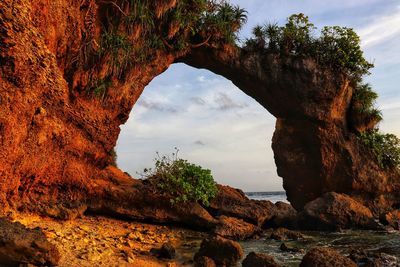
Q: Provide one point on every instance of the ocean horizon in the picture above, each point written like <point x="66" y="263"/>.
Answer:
<point x="273" y="196"/>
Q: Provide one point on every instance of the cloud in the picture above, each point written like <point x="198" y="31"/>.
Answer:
<point x="225" y="102"/>
<point x="198" y="100"/>
<point x="199" y="143"/>
<point x="157" y="106"/>
<point x="391" y="105"/>
<point x="380" y="29"/>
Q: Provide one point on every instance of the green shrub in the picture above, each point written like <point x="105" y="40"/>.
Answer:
<point x="340" y="48"/>
<point x="363" y="101"/>
<point x="297" y="35"/>
<point x="365" y="97"/>
<point x="386" y="147"/>
<point x="182" y="181"/>
<point x="335" y="47"/>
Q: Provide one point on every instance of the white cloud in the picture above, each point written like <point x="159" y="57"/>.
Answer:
<point x="380" y="29"/>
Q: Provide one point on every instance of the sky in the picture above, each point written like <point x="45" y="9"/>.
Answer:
<point x="217" y="126"/>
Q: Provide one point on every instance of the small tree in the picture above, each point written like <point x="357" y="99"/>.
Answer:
<point x="363" y="102"/>
<point x="297" y="35"/>
<point x="182" y="181"/>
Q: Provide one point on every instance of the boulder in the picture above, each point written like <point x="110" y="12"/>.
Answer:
<point x="143" y="202"/>
<point x="392" y="219"/>
<point x="325" y="257"/>
<point x="284" y="234"/>
<point x="223" y="252"/>
<point x="285" y="216"/>
<point x="335" y="211"/>
<point x="373" y="259"/>
<point x="234" y="203"/>
<point x="204" y="262"/>
<point x="167" y="251"/>
<point x="259" y="260"/>
<point x="20" y="245"/>
<point x="234" y="228"/>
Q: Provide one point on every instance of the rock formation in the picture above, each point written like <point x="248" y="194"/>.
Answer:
<point x="335" y="211"/>
<point x="62" y="100"/>
<point x="259" y="260"/>
<point x="20" y="245"/>
<point x="324" y="257"/>
<point x="222" y="251"/>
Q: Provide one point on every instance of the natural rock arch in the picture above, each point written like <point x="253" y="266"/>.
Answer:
<point x="56" y="139"/>
<point x="204" y="117"/>
<point x="315" y="150"/>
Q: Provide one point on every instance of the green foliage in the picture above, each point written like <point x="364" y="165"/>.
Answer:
<point x="224" y="20"/>
<point x="143" y="26"/>
<point x="205" y="22"/>
<point x="296" y="35"/>
<point x="99" y="87"/>
<point x="140" y="14"/>
<point x="336" y="47"/>
<point x="118" y="47"/>
<point x="182" y="181"/>
<point x="273" y="34"/>
<point x="363" y="101"/>
<point x="340" y="47"/>
<point x="386" y="147"/>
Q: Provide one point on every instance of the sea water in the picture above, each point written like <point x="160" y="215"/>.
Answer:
<point x="271" y="196"/>
<point x="387" y="243"/>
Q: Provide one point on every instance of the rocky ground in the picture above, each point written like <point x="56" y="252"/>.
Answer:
<point x="100" y="241"/>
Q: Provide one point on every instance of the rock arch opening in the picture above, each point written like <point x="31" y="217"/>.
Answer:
<point x="212" y="122"/>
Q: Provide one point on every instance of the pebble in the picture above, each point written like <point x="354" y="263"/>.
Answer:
<point x="86" y="243"/>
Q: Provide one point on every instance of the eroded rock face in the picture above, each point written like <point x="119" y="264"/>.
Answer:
<point x="334" y="211"/>
<point x="233" y="202"/>
<point x="19" y="245"/>
<point x="285" y="216"/>
<point x="204" y="262"/>
<point x="325" y="257"/>
<point x="222" y="251"/>
<point x="56" y="138"/>
<point x="392" y="219"/>
<point x="234" y="228"/>
<point x="259" y="260"/>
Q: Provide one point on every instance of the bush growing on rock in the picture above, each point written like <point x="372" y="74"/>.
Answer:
<point x="336" y="47"/>
<point x="182" y="181"/>
<point x="386" y="147"/>
<point x="363" y="106"/>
